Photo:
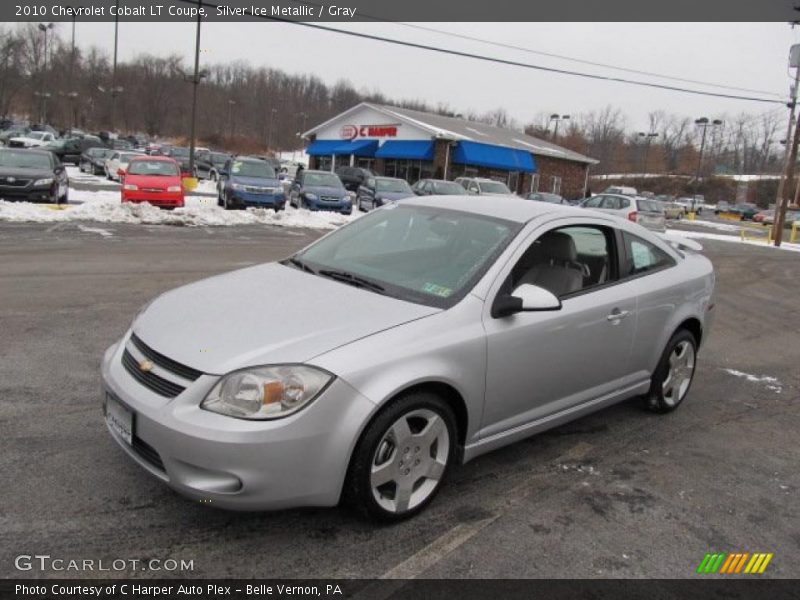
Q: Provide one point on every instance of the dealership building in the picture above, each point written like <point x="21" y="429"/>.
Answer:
<point x="398" y="142"/>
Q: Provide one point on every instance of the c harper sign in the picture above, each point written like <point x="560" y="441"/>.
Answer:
<point x="351" y="132"/>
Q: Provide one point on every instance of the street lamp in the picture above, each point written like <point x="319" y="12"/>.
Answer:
<point x="303" y="130"/>
<point x="44" y="29"/>
<point x="114" y="86"/>
<point x="557" y="118"/>
<point x="271" y="121"/>
<point x="705" y="124"/>
<point x="648" y="137"/>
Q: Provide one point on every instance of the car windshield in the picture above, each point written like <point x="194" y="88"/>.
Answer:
<point x="153" y="167"/>
<point x="99" y="152"/>
<point x="179" y="152"/>
<point x="25" y="160"/>
<point x="450" y="188"/>
<point x="392" y="185"/>
<point x="252" y="168"/>
<point x="218" y="158"/>
<point x="494" y="187"/>
<point x="421" y="254"/>
<point x="321" y="180"/>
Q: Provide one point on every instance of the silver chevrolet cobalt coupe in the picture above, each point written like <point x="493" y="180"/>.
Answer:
<point x="415" y="338"/>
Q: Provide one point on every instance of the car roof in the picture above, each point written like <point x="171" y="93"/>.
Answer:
<point x="509" y="208"/>
<point x="155" y="157"/>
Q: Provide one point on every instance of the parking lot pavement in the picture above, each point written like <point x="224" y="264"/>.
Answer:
<point x="620" y="493"/>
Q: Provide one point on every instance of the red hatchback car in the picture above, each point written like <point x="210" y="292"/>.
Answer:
<point x="153" y="179"/>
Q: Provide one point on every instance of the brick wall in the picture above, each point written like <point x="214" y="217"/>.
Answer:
<point x="573" y="176"/>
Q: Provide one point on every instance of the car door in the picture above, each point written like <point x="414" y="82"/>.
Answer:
<point x="540" y="364"/>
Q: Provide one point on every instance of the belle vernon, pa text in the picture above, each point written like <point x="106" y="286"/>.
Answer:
<point x="135" y="589"/>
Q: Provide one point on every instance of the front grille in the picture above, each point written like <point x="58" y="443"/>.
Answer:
<point x="258" y="189"/>
<point x="14" y="182"/>
<point x="147" y="452"/>
<point x="153" y="190"/>
<point x="164" y="362"/>
<point x="329" y="198"/>
<point x="16" y="144"/>
<point x="148" y="379"/>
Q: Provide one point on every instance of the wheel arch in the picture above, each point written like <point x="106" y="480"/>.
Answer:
<point x="693" y="326"/>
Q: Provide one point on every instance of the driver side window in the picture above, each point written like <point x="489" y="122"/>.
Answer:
<point x="568" y="260"/>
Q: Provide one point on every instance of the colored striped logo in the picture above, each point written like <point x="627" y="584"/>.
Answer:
<point x="734" y="563"/>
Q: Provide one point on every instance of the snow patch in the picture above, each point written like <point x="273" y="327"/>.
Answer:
<point x="730" y="238"/>
<point x="771" y="383"/>
<point x="97" y="230"/>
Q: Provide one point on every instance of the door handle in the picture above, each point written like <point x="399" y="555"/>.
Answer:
<point x="617" y="315"/>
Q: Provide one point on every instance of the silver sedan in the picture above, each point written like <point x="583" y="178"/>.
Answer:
<point x="418" y="337"/>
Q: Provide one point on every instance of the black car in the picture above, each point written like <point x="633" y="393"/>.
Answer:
<point x="71" y="150"/>
<point x="353" y="177"/>
<point x="437" y="187"/>
<point x="208" y="164"/>
<point x="32" y="175"/>
<point x="181" y="155"/>
<point x="121" y="144"/>
<point x="93" y="160"/>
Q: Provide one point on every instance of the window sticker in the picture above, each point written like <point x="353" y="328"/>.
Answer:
<point x="437" y="290"/>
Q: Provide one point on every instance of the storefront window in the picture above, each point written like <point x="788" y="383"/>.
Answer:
<point x="324" y="163"/>
<point x="410" y="170"/>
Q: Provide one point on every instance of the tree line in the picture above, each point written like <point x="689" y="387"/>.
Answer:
<point x="245" y="108"/>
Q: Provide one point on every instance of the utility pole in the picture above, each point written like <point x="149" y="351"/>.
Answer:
<point x="790" y="155"/>
<point x="231" y="103"/>
<point x="704" y="123"/>
<point x="44" y="94"/>
<point x="195" y="82"/>
<point x="271" y="122"/>
<point x="114" y="69"/>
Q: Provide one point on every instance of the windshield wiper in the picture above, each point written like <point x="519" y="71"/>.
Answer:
<point x="299" y="264"/>
<point x="347" y="277"/>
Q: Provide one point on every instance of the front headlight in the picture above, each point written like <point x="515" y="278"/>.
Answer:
<point x="174" y="188"/>
<point x="237" y="186"/>
<point x="269" y="392"/>
<point x="310" y="196"/>
<point x="45" y="181"/>
<point x="132" y="187"/>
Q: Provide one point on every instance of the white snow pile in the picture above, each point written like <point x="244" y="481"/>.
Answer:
<point x="730" y="238"/>
<point x="771" y="383"/>
<point x="713" y="225"/>
<point x="107" y="208"/>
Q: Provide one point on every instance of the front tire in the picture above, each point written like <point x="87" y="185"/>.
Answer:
<point x="402" y="458"/>
<point x="673" y="377"/>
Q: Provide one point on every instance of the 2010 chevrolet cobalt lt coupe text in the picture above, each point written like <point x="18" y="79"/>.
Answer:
<point x="417" y="337"/>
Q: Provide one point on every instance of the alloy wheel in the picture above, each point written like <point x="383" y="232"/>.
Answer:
<point x="679" y="374"/>
<point x="410" y="460"/>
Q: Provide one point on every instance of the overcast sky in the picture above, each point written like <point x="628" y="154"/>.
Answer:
<point x="751" y="55"/>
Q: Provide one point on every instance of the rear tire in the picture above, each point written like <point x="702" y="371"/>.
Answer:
<point x="402" y="458"/>
<point x="674" y="374"/>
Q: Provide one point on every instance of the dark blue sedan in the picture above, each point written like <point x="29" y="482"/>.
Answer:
<point x="320" y="190"/>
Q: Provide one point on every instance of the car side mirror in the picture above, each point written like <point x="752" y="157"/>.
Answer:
<point x="526" y="298"/>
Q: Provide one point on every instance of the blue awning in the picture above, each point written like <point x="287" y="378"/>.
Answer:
<point x="358" y="148"/>
<point x="408" y="149"/>
<point x="495" y="157"/>
<point x="322" y="147"/>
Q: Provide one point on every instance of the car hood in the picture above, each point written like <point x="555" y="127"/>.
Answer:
<point x="255" y="181"/>
<point x="394" y="195"/>
<point x="325" y="190"/>
<point x="265" y="315"/>
<point x="21" y="173"/>
<point x="153" y="181"/>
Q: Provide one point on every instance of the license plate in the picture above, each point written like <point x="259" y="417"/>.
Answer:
<point x="119" y="418"/>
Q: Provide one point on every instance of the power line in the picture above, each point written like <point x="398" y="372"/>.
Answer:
<point x="552" y="55"/>
<point x="502" y="61"/>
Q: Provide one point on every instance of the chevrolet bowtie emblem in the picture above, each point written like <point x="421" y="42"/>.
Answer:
<point x="146" y="366"/>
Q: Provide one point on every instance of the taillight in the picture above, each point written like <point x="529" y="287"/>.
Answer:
<point x="632" y="216"/>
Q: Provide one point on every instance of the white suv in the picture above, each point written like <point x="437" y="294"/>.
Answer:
<point x="480" y="186"/>
<point x="644" y="211"/>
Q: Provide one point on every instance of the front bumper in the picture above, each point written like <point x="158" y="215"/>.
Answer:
<point x="344" y="207"/>
<point x="242" y="199"/>
<point x="38" y="194"/>
<point x="300" y="460"/>
<point x="165" y="199"/>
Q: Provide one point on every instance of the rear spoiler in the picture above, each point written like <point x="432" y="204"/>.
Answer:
<point x="682" y="243"/>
